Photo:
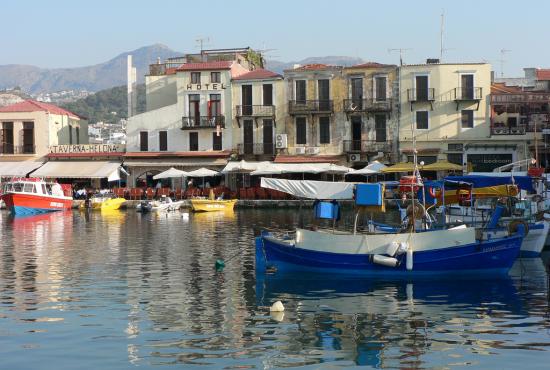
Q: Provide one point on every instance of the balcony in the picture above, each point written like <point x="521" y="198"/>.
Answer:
<point x="505" y="130"/>
<point x="310" y="106"/>
<point x="367" y="105"/>
<point x="255" y="110"/>
<point x="366" y="146"/>
<point x="468" y="95"/>
<point x="194" y="123"/>
<point x="256" y="149"/>
<point x="6" y="148"/>
<point x="421" y="95"/>
<point x="527" y="97"/>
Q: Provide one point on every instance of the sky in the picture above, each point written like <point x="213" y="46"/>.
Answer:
<point x="72" y="33"/>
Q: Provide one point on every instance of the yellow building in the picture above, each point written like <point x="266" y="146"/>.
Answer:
<point x="315" y="93"/>
<point x="446" y="107"/>
<point x="370" y="125"/>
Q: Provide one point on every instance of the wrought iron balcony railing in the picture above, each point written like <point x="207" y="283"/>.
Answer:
<point x="468" y="93"/>
<point x="366" y="146"/>
<point x="421" y="95"/>
<point x="310" y="106"/>
<point x="505" y="130"/>
<point x="256" y="148"/>
<point x="367" y="105"/>
<point x="7" y="148"/>
<point x="255" y="110"/>
<point x="198" y="122"/>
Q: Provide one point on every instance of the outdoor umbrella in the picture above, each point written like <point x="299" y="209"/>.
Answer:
<point x="203" y="172"/>
<point x="370" y="169"/>
<point x="399" y="167"/>
<point x="442" y="166"/>
<point x="170" y="174"/>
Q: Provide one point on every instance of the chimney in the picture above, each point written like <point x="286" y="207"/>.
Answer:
<point x="432" y="61"/>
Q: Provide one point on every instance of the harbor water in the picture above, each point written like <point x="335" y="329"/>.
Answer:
<point x="122" y="290"/>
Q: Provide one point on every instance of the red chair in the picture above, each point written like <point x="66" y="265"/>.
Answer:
<point x="261" y="193"/>
<point x="149" y="193"/>
<point x="163" y="191"/>
<point x="242" y="193"/>
<point x="250" y="193"/>
<point x="136" y="193"/>
<point x="178" y="194"/>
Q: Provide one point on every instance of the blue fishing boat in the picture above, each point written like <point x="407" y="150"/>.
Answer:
<point x="459" y="250"/>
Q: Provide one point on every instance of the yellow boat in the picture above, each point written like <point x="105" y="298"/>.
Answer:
<point x="103" y="202"/>
<point x="209" y="205"/>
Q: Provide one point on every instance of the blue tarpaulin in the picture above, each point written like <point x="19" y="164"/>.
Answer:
<point x="477" y="181"/>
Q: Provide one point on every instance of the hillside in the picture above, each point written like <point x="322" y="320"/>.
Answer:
<point x="92" y="78"/>
<point x="101" y="105"/>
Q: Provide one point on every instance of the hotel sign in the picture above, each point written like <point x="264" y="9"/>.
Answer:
<point x="88" y="148"/>
<point x="210" y="86"/>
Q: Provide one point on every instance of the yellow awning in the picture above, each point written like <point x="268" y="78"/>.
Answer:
<point x="399" y="167"/>
<point x="451" y="196"/>
<point x="442" y="166"/>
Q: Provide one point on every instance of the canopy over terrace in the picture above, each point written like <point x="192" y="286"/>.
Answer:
<point x="371" y="169"/>
<point x="171" y="173"/>
<point x="18" y="168"/>
<point x="79" y="170"/>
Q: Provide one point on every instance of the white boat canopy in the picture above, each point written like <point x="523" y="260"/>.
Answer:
<point x="370" y="169"/>
<point x="203" y="172"/>
<point x="18" y="168"/>
<point x="170" y="174"/>
<point x="79" y="170"/>
<point x="311" y="189"/>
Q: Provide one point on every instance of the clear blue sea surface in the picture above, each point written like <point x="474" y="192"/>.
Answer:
<point x="121" y="290"/>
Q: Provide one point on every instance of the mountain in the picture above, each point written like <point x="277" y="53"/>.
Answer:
<point x="92" y="78"/>
<point x="279" y="67"/>
<point x="108" y="105"/>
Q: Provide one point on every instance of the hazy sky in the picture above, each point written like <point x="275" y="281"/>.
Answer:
<point x="69" y="33"/>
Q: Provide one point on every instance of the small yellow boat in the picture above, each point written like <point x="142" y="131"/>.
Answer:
<point x="209" y="205"/>
<point x="103" y="202"/>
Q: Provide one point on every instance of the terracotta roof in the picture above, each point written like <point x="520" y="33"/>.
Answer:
<point x="171" y="71"/>
<point x="303" y="159"/>
<point x="36" y="106"/>
<point x="258" y="74"/>
<point x="501" y="88"/>
<point x="371" y="65"/>
<point x="543" y="74"/>
<point x="204" y="66"/>
<point x="211" y="154"/>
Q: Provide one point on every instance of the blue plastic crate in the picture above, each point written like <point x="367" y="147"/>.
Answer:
<point x="327" y="210"/>
<point x="368" y="194"/>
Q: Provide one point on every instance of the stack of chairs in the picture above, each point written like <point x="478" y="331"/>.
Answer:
<point x="149" y="193"/>
<point x="163" y="191"/>
<point x="136" y="193"/>
<point x="178" y="194"/>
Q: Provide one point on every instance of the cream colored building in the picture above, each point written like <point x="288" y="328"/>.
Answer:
<point x="29" y="128"/>
<point x="447" y="109"/>
<point x="259" y="114"/>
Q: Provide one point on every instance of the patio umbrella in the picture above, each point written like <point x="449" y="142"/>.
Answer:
<point x="170" y="174"/>
<point x="442" y="166"/>
<point x="370" y="169"/>
<point x="399" y="167"/>
<point x="203" y="172"/>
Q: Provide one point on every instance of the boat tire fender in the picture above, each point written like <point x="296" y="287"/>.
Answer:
<point x="518" y="226"/>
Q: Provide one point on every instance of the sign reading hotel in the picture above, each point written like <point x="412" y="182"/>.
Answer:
<point x="88" y="148"/>
<point x="210" y="86"/>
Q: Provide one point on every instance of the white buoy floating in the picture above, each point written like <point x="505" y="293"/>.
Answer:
<point x="277" y="316"/>
<point x="277" y="307"/>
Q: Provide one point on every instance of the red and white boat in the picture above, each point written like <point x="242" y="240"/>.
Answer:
<point x="30" y="196"/>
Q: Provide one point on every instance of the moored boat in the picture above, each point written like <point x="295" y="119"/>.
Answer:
<point x="210" y="205"/>
<point x="103" y="202"/>
<point x="30" y="196"/>
<point x="164" y="204"/>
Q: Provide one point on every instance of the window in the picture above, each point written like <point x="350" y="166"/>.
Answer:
<point x="70" y="128"/>
<point x="301" y="130"/>
<point x="193" y="141"/>
<point x="267" y="91"/>
<point x="301" y="91"/>
<point x="380" y="88"/>
<point x="467" y="84"/>
<point x="163" y="141"/>
<point x="217" y="141"/>
<point x="422" y="120"/>
<point x="380" y="128"/>
<point x="77" y="133"/>
<point x="456" y="147"/>
<point x="7" y="138"/>
<point x="215" y="105"/>
<point x="143" y="141"/>
<point x="467" y="118"/>
<point x="195" y="77"/>
<point x="421" y="88"/>
<point x="28" y="137"/>
<point x="194" y="109"/>
<point x="215" y="77"/>
<point x="455" y="158"/>
<point x="324" y="130"/>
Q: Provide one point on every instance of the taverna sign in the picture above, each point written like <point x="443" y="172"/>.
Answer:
<point x="88" y="148"/>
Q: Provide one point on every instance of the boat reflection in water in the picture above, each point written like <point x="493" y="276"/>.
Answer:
<point x="392" y="323"/>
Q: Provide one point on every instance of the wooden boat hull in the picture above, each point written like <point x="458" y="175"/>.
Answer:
<point x="489" y="256"/>
<point x="207" y="205"/>
<point x="29" y="204"/>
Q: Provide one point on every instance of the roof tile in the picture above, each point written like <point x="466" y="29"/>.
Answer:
<point x="204" y="66"/>
<point x="36" y="106"/>
<point x="258" y="74"/>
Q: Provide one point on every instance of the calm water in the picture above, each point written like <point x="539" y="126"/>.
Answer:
<point x="122" y="290"/>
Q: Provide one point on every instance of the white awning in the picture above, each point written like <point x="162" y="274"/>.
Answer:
<point x="18" y="168"/>
<point x="170" y="173"/>
<point x="203" y="172"/>
<point x="79" y="170"/>
<point x="270" y="168"/>
<point x="243" y="166"/>
<point x="185" y="162"/>
<point x="311" y="189"/>
<point x="372" y="168"/>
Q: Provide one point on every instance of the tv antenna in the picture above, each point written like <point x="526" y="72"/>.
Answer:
<point x="201" y="41"/>
<point x="441" y="32"/>
<point x="401" y="52"/>
<point x="502" y="60"/>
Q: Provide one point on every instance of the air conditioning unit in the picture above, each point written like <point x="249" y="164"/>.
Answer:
<point x="354" y="158"/>
<point x="313" y="150"/>
<point x="281" y="141"/>
<point x="300" y="150"/>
